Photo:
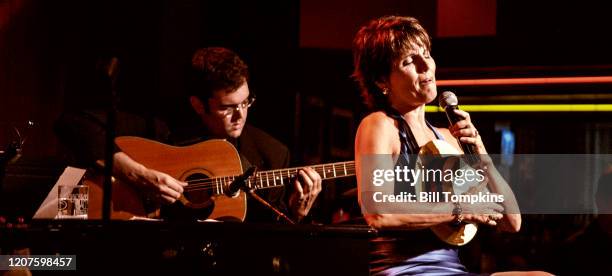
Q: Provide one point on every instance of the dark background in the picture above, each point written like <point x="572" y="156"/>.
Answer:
<point x="52" y="54"/>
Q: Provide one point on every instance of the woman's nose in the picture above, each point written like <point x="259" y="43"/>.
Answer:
<point x="421" y="64"/>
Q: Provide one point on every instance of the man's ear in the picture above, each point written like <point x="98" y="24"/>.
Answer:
<point x="197" y="105"/>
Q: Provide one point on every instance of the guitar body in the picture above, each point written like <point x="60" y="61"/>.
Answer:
<point x="126" y="201"/>
<point x="446" y="157"/>
<point x="203" y="160"/>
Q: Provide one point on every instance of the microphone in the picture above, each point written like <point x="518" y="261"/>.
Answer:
<point x="239" y="182"/>
<point x="448" y="101"/>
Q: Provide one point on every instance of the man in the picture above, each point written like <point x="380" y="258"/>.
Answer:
<point x="220" y="97"/>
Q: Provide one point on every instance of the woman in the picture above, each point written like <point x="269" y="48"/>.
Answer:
<point x="396" y="74"/>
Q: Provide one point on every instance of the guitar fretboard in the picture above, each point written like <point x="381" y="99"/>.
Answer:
<point x="280" y="177"/>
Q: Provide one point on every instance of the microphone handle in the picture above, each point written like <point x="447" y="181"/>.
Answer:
<point x="468" y="149"/>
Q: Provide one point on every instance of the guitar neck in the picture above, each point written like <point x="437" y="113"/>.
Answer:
<point x="272" y="178"/>
<point x="280" y="177"/>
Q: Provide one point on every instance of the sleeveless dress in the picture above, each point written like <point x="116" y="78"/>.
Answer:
<point x="417" y="252"/>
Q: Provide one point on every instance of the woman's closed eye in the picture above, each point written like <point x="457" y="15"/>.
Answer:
<point x="407" y="61"/>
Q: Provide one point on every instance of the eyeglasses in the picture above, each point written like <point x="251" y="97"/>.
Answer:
<point x="228" y="110"/>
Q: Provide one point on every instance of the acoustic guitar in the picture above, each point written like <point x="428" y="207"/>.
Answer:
<point x="438" y="154"/>
<point x="209" y="168"/>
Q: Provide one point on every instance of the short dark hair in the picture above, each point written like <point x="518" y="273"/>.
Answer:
<point x="216" y="69"/>
<point x="376" y="45"/>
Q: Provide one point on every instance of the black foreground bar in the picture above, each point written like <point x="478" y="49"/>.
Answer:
<point x="207" y="248"/>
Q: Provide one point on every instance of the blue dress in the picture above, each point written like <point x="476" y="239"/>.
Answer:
<point x="420" y="252"/>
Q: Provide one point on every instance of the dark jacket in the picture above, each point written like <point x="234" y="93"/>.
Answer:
<point x="82" y="134"/>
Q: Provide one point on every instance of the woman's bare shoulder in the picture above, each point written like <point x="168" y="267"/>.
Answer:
<point x="376" y="134"/>
<point x="378" y="120"/>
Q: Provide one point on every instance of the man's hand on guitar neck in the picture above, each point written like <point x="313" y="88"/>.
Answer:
<point x="164" y="188"/>
<point x="303" y="192"/>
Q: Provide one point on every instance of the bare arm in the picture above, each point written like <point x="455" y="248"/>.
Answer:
<point x="377" y="135"/>
<point x="467" y="133"/>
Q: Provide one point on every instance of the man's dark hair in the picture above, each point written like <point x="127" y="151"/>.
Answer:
<point x="216" y="69"/>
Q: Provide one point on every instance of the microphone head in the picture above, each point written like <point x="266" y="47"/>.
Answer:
<point x="447" y="98"/>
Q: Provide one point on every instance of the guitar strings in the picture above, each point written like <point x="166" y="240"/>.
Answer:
<point x="350" y="169"/>
<point x="223" y="181"/>
<point x="209" y="183"/>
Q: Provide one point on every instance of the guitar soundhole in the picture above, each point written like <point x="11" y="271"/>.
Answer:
<point x="198" y="204"/>
<point x="202" y="194"/>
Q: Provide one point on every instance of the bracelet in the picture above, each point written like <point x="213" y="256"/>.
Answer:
<point x="458" y="213"/>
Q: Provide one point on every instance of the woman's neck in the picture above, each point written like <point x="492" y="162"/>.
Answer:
<point x="415" y="118"/>
<point x="414" y="115"/>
